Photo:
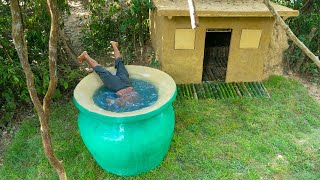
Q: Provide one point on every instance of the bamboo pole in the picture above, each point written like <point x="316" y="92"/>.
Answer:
<point x="193" y="15"/>
<point x="178" y="93"/>
<point x="265" y="89"/>
<point x="242" y="91"/>
<point x="213" y="91"/>
<point x="190" y="91"/>
<point x="208" y="91"/>
<point x="228" y="94"/>
<point x="218" y="91"/>
<point x="248" y="86"/>
<point x="233" y="90"/>
<point x="203" y="91"/>
<point x="194" y="92"/>
<point x="291" y="35"/>
<point x="245" y="89"/>
<point x="196" y="86"/>
<point x="222" y="90"/>
<point x="185" y="96"/>
<point x="236" y="89"/>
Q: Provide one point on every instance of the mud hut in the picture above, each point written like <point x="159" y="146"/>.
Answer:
<point x="231" y="43"/>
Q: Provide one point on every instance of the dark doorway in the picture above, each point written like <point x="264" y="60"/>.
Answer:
<point x="216" y="54"/>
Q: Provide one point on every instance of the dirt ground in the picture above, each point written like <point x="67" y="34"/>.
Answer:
<point x="74" y="23"/>
<point x="313" y="88"/>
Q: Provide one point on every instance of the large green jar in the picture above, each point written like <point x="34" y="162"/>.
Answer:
<point x="128" y="143"/>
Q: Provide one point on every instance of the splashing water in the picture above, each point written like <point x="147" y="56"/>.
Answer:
<point x="146" y="95"/>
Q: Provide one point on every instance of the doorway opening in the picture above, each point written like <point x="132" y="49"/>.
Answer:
<point x="216" y="54"/>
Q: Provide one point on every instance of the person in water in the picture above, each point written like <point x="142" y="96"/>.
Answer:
<point x="119" y="83"/>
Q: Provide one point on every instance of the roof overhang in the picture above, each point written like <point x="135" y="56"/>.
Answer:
<point x="221" y="8"/>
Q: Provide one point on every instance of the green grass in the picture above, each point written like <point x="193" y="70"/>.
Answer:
<point x="249" y="138"/>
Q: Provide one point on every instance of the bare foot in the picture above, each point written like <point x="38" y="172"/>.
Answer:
<point x="114" y="43"/>
<point x="83" y="56"/>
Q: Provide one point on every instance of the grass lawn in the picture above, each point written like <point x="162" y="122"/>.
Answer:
<point x="248" y="138"/>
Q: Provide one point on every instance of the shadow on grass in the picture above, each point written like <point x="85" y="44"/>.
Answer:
<point x="235" y="138"/>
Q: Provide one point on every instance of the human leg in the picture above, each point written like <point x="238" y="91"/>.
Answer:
<point x="121" y="70"/>
<point x="85" y="57"/>
<point x="116" y="51"/>
<point x="113" y="82"/>
<point x="104" y="74"/>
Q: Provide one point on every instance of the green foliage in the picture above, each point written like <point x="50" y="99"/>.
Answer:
<point x="302" y="26"/>
<point x="12" y="81"/>
<point x="249" y="138"/>
<point x="124" y="21"/>
<point x="13" y="90"/>
<point x="154" y="62"/>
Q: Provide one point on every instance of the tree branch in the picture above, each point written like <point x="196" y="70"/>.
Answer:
<point x="291" y="35"/>
<point x="20" y="44"/>
<point x="6" y="52"/>
<point x="303" y="57"/>
<point x="53" y="43"/>
<point x="67" y="47"/>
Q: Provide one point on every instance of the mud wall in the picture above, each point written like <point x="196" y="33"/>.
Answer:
<point x="186" y="65"/>
<point x="274" y="58"/>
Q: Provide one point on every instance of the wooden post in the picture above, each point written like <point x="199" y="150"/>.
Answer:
<point x="193" y="15"/>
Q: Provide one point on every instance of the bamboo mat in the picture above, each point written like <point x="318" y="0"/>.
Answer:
<point x="218" y="90"/>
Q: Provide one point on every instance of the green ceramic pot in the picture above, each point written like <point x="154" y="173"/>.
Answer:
<point x="128" y="143"/>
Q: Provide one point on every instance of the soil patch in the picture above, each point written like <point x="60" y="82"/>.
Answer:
<point x="74" y="23"/>
<point x="313" y="88"/>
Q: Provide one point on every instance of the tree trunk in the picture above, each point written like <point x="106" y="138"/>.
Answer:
<point x="22" y="50"/>
<point x="294" y="38"/>
<point x="53" y="43"/>
<point x="48" y="148"/>
<point x="303" y="57"/>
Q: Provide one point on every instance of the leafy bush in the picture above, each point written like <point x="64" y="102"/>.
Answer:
<point x="13" y="90"/>
<point x="124" y="21"/>
<point x="307" y="28"/>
